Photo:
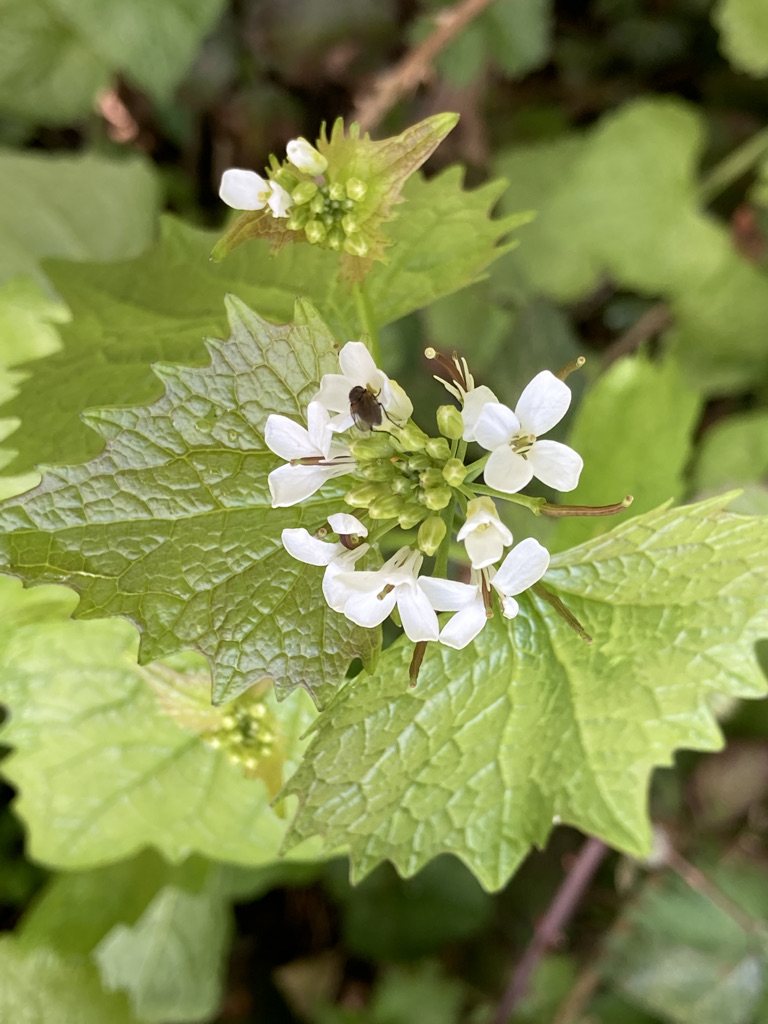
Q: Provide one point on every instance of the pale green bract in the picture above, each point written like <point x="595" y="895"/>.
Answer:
<point x="172" y="525"/>
<point x="529" y="725"/>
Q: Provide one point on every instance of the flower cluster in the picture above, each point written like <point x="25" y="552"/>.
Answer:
<point x="297" y="190"/>
<point x="359" y="425"/>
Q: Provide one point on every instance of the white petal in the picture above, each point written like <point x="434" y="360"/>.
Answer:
<point x="417" y="614"/>
<point x="358" y="367"/>
<point x="447" y="595"/>
<point x="347" y="525"/>
<point x="319" y="427"/>
<point x="279" y="201"/>
<point x="509" y="607"/>
<point x="369" y="609"/>
<point x="334" y="392"/>
<point x="292" y="484"/>
<point x="555" y="464"/>
<point x="244" y="190"/>
<point x="306" y="157"/>
<point x="464" y="626"/>
<point x="288" y="439"/>
<point x="474" y="403"/>
<point x="398" y="405"/>
<point x="543" y="403"/>
<point x="342" y="422"/>
<point x="484" y="547"/>
<point x="303" y="546"/>
<point x="523" y="566"/>
<point x="507" y="471"/>
<point x="336" y="589"/>
<point x="496" y="425"/>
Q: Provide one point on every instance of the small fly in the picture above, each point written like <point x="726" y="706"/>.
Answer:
<point x="365" y="407"/>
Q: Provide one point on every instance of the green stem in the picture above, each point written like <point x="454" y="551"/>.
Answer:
<point x="367" y="321"/>
<point x="474" y="469"/>
<point x="376" y="535"/>
<point x="534" y="504"/>
<point x="441" y="558"/>
<point x="733" y="166"/>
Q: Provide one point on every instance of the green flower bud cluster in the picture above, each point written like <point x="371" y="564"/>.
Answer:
<point x="406" y="476"/>
<point x="247" y="735"/>
<point x="328" y="214"/>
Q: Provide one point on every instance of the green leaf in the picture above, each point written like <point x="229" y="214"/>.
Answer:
<point x="84" y="207"/>
<point x="624" y="201"/>
<point x="159" y="307"/>
<point x="41" y="987"/>
<point x="77" y="909"/>
<point x="172" y="525"/>
<point x="171" y="962"/>
<point x="153" y="44"/>
<point x="681" y="956"/>
<point x="129" y="775"/>
<point x="48" y="73"/>
<point x="529" y="724"/>
<point x="743" y="26"/>
<point x="56" y="56"/>
<point x="733" y="452"/>
<point x="634" y="430"/>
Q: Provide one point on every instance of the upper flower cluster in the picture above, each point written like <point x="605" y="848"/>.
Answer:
<point x="403" y="478"/>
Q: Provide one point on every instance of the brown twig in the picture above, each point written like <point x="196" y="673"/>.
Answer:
<point x="410" y="72"/>
<point x="550" y="927"/>
<point x="655" y="320"/>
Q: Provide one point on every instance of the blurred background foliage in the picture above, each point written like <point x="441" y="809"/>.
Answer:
<point x="636" y="131"/>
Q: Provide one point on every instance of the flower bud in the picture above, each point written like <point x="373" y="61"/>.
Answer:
<point x="315" y="231"/>
<point x="388" y="507"/>
<point x="306" y="157"/>
<point x="414" y="439"/>
<point x="356" y="189"/>
<point x="336" y="191"/>
<point x="431" y="534"/>
<point x="285" y="178"/>
<point x="431" y="477"/>
<point x="437" y="497"/>
<point x="402" y="485"/>
<point x="362" y="495"/>
<point x="335" y="239"/>
<point x="438" y="448"/>
<point x="419" y="462"/>
<point x="317" y="205"/>
<point x="373" y="446"/>
<point x="449" y="422"/>
<point x="303" y="192"/>
<point x="454" y="472"/>
<point x="349" y="223"/>
<point x="410" y="516"/>
<point x="298" y="218"/>
<point x="379" y="470"/>
<point x="356" y="245"/>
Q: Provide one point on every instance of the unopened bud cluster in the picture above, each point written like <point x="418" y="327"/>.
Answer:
<point x="247" y="735"/>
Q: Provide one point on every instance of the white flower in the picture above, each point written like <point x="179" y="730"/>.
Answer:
<point x="322" y="459"/>
<point x="371" y="596"/>
<point x="334" y="555"/>
<point x="512" y="438"/>
<point x="247" y="190"/>
<point x="474" y="403"/>
<point x="359" y="370"/>
<point x="305" y="157"/>
<point x="523" y="566"/>
<point x="483" y="533"/>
